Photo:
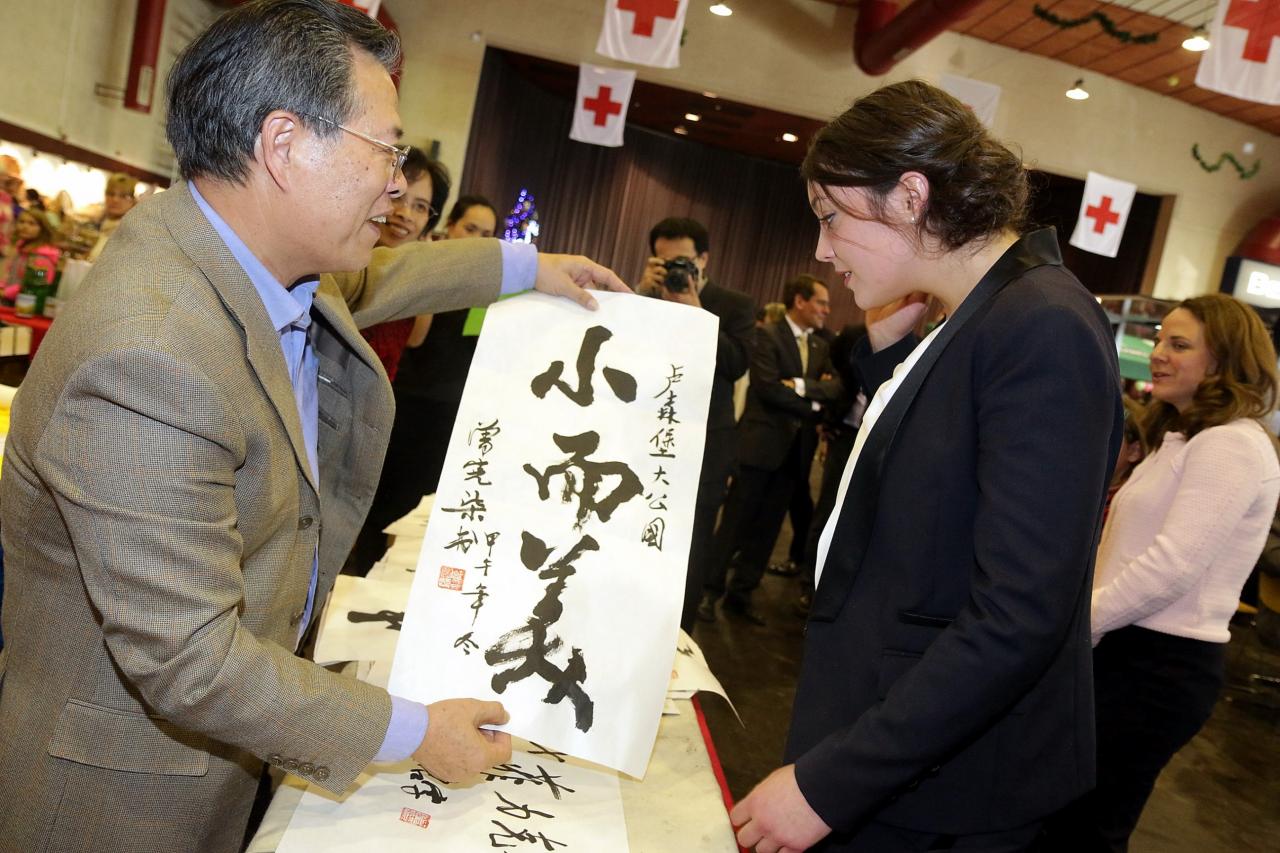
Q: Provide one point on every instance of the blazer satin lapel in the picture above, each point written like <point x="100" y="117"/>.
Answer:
<point x="857" y="514"/>
<point x="195" y="235"/>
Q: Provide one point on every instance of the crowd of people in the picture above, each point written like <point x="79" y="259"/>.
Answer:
<point x="989" y="665"/>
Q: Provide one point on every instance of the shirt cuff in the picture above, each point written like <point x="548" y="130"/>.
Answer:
<point x="405" y="732"/>
<point x="799" y="385"/>
<point x="519" y="266"/>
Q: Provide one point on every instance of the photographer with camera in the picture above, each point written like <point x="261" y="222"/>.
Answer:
<point x="676" y="272"/>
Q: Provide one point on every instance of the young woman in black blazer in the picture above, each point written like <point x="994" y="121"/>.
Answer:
<point x="945" y="696"/>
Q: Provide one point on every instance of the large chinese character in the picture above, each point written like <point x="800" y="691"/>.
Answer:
<point x="591" y="475"/>
<point x="623" y="384"/>
<point x="529" y="646"/>
<point x="393" y="618"/>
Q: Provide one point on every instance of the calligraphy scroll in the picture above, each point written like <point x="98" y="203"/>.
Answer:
<point x="552" y="572"/>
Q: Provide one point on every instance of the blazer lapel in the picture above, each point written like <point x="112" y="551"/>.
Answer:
<point x="857" y="513"/>
<point x="197" y="239"/>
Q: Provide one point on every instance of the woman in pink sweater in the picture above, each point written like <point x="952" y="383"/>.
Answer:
<point x="1182" y="536"/>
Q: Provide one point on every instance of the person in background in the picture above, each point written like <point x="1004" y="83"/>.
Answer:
<point x="942" y="702"/>
<point x="428" y="391"/>
<point x="10" y="189"/>
<point x="1184" y="533"/>
<point x="413" y="216"/>
<point x="771" y="312"/>
<point x="118" y="200"/>
<point x="1133" y="448"/>
<point x="791" y="383"/>
<point x="33" y="239"/>
<point x="681" y="238"/>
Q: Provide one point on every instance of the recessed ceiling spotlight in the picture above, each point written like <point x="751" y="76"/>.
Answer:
<point x="710" y="95"/>
<point x="789" y="137"/>
<point x="1198" y="41"/>
<point x="1077" y="92"/>
<point x="721" y="9"/>
<point x="681" y="130"/>
<point x="692" y="117"/>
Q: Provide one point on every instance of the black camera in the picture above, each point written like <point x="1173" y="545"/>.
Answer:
<point x="681" y="273"/>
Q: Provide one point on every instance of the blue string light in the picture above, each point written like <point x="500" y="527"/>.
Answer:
<point x="522" y="223"/>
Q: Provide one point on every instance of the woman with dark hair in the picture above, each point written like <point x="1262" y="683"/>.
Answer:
<point x="943" y="701"/>
<point x="1183" y="535"/>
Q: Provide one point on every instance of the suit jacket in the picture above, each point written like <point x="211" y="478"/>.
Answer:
<point x="775" y="414"/>
<point x="947" y="684"/>
<point x="160" y="520"/>
<point x="737" y="316"/>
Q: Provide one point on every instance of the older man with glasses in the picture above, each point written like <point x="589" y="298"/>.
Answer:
<point x="197" y="445"/>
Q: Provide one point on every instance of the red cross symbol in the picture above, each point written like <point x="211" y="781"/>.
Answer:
<point x="1262" y="19"/>
<point x="1102" y="215"/>
<point x="602" y="105"/>
<point x="647" y="11"/>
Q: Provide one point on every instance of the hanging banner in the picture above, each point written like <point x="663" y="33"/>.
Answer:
<point x="1243" y="59"/>
<point x="982" y="98"/>
<point x="643" y="32"/>
<point x="369" y="7"/>
<point x="552" y="573"/>
<point x="601" y="109"/>
<point x="1104" y="212"/>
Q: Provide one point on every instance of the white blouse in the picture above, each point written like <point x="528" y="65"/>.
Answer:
<point x="877" y="405"/>
<point x="1185" y="531"/>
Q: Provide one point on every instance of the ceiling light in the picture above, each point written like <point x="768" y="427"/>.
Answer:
<point x="681" y="130"/>
<point x="789" y="137"/>
<point x="721" y="9"/>
<point x="692" y="117"/>
<point x="1077" y="92"/>
<point x="1198" y="41"/>
<point x="710" y="95"/>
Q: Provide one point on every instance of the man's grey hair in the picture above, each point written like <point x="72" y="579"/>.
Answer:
<point x="267" y="55"/>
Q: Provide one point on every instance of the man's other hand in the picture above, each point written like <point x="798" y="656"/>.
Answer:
<point x="455" y="746"/>
<point x="570" y="275"/>
<point x="775" y="816"/>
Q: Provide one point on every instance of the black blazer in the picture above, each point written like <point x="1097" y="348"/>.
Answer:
<point x="737" y="315"/>
<point x="947" y="682"/>
<point x="775" y="413"/>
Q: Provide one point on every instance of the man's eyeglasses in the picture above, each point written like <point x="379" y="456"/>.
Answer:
<point x="399" y="152"/>
<point x="419" y="207"/>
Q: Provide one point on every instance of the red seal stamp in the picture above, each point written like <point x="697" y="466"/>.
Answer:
<point x="451" y="578"/>
<point x="415" y="817"/>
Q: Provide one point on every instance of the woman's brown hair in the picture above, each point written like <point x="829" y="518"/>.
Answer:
<point x="1245" y="383"/>
<point x="978" y="187"/>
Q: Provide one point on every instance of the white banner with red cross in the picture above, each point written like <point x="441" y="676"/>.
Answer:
<point x="643" y="32"/>
<point x="1244" y="60"/>
<point x="1104" y="212"/>
<point x="600" y="112"/>
<point x="369" y="7"/>
<point x="982" y="98"/>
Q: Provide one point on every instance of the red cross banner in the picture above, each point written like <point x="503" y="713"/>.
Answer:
<point x="1104" y="211"/>
<point x="1244" y="60"/>
<point x="982" y="98"/>
<point x="369" y="7"/>
<point x="603" y="97"/>
<point x="643" y="32"/>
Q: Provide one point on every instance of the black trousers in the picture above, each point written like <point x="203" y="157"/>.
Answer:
<point x="1153" y="692"/>
<point x="753" y="513"/>
<point x="717" y="465"/>
<point x="415" y="458"/>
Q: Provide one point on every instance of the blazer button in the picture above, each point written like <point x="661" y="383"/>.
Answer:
<point x="305" y="522"/>
<point x="291" y="765"/>
<point x="306" y="768"/>
<point x="322" y="773"/>
<point x="276" y="759"/>
<point x="295" y="618"/>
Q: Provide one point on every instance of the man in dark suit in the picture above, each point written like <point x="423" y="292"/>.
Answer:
<point x="791" y="379"/>
<point x="687" y="238"/>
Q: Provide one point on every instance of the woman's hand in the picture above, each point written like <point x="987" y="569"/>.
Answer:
<point x="891" y="323"/>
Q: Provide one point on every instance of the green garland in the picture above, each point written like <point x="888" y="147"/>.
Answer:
<point x="1108" y="26"/>
<point x="1245" y="174"/>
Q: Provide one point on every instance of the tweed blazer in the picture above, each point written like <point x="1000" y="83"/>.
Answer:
<point x="160" y="520"/>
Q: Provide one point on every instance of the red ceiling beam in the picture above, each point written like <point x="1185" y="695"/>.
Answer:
<point x="883" y="36"/>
